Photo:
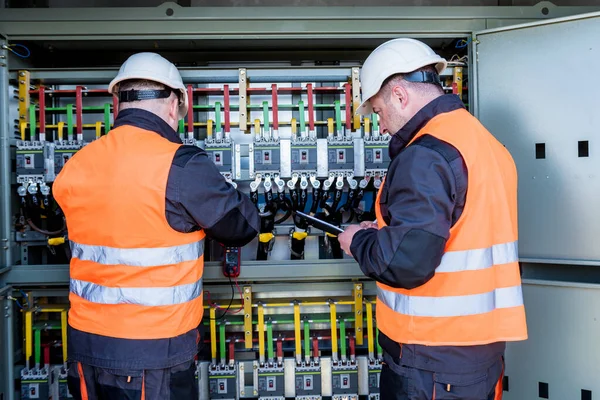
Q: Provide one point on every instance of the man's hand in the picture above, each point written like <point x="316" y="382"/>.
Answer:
<point x="369" y="224"/>
<point x="345" y="237"/>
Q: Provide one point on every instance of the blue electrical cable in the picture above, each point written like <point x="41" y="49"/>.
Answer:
<point x="11" y="47"/>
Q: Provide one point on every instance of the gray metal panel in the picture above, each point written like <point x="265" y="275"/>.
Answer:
<point x="6" y="345"/>
<point x="154" y="23"/>
<point x="5" y="161"/>
<point x="526" y="94"/>
<point x="562" y="350"/>
<point x="251" y="271"/>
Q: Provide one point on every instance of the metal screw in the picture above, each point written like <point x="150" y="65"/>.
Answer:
<point x="242" y="393"/>
<point x="359" y="329"/>
<point x="359" y="312"/>
<point x="21" y="99"/>
<point x="22" y="82"/>
<point x="247" y="315"/>
<point x="255" y="392"/>
<point x="247" y="332"/>
<point x="21" y="73"/>
<point x="247" y="290"/>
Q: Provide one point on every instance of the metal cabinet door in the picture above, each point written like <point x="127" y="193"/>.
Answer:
<point x="536" y="90"/>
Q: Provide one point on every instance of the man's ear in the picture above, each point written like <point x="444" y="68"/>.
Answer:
<point x="399" y="92"/>
<point x="174" y="110"/>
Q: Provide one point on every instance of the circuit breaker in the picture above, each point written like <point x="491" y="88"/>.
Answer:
<point x="304" y="156"/>
<point x="374" y="368"/>
<point x="271" y="383"/>
<point x="308" y="382"/>
<point x="63" y="152"/>
<point x="222" y="155"/>
<point x="223" y="382"/>
<point x="35" y="384"/>
<point x="265" y="158"/>
<point x="340" y="156"/>
<point x="344" y="380"/>
<point x="376" y="155"/>
<point x="31" y="162"/>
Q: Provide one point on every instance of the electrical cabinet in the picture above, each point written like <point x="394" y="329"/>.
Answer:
<point x="286" y="135"/>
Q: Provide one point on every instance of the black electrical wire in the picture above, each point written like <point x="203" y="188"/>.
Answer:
<point x="230" y="302"/>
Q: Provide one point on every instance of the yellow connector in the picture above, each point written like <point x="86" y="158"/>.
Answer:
<point x="23" y="129"/>
<point x="213" y="336"/>
<point x="297" y="331"/>
<point x="370" y="345"/>
<point x="330" y="126"/>
<point x="334" y="342"/>
<point x="98" y="127"/>
<point x="56" y="241"/>
<point x="61" y="128"/>
<point x="367" y="122"/>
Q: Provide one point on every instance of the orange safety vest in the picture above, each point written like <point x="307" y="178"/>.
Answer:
<point x="475" y="295"/>
<point x="132" y="275"/>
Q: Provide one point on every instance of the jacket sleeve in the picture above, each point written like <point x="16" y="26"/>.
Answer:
<point x="199" y="197"/>
<point x="421" y="198"/>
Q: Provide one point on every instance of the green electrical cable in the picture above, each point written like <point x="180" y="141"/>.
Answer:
<point x="70" y="121"/>
<point x="270" y="340"/>
<point x="301" y="115"/>
<point x="306" y="327"/>
<point x="343" y="338"/>
<point x="106" y="117"/>
<point x="32" y="122"/>
<point x="375" y="120"/>
<point x="38" y="346"/>
<point x="379" y="351"/>
<point x="181" y="126"/>
<point x="266" y="116"/>
<point x="217" y="117"/>
<point x="338" y="116"/>
<point x="222" y="341"/>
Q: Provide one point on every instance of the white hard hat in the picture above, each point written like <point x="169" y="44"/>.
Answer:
<point x="397" y="56"/>
<point x="151" y="67"/>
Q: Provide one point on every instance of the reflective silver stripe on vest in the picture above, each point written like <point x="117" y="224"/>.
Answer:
<point x="452" y="306"/>
<point x="471" y="260"/>
<point x="138" y="257"/>
<point x="158" y="296"/>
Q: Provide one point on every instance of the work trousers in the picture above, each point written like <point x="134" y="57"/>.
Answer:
<point x="92" y="383"/>
<point x="398" y="382"/>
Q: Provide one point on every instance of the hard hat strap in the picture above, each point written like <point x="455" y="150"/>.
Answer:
<point x="422" y="77"/>
<point x="136" y="95"/>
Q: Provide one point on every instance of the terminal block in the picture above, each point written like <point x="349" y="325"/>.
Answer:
<point x="271" y="381"/>
<point x="31" y="162"/>
<point x="308" y="381"/>
<point x="344" y="380"/>
<point x="35" y="383"/>
<point x="223" y="381"/>
<point x="374" y="368"/>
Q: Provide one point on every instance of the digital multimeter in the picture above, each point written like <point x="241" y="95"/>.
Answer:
<point x="231" y="261"/>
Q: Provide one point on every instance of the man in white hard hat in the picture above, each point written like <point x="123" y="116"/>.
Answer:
<point x="444" y="247"/>
<point x="138" y="205"/>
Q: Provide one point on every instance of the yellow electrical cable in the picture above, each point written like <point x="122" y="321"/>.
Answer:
<point x="294" y="127"/>
<point x="61" y="128"/>
<point x="56" y="241"/>
<point x="28" y="336"/>
<point x="257" y="126"/>
<point x="367" y="123"/>
<point x="63" y="331"/>
<point x="209" y="129"/>
<point x="330" y="126"/>
<point x="370" y="346"/>
<point x="213" y="335"/>
<point x="23" y="129"/>
<point x="297" y="330"/>
<point x="98" y="129"/>
<point x="261" y="332"/>
<point x="334" y="343"/>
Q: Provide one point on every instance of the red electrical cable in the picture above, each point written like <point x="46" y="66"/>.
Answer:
<point x="315" y="347"/>
<point x="226" y="108"/>
<point x="190" y="114"/>
<point x="79" y="111"/>
<point x="311" y="114"/>
<point x="47" y="354"/>
<point x="241" y="299"/>
<point x="348" y="108"/>
<point x="275" y="111"/>
<point x="42" y="101"/>
<point x="279" y="344"/>
<point x="352" y="347"/>
<point x="231" y="350"/>
<point x="115" y="108"/>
